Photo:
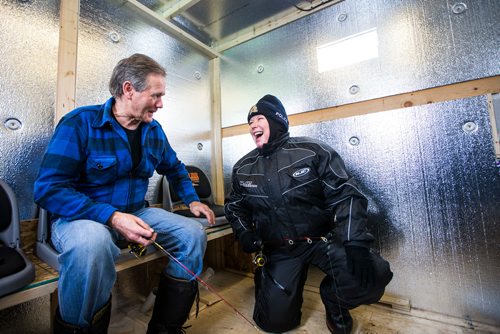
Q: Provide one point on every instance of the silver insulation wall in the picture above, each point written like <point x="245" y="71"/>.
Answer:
<point x="29" y="36"/>
<point x="434" y="188"/>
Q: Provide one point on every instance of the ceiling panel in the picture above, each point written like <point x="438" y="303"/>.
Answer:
<point x="213" y="22"/>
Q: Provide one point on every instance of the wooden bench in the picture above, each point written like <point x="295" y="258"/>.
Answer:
<point x="46" y="278"/>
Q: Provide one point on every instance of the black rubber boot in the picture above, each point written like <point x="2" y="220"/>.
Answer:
<point x="339" y="322"/>
<point x="174" y="299"/>
<point x="99" y="324"/>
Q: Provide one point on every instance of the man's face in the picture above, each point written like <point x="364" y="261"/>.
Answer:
<point x="259" y="129"/>
<point x="147" y="102"/>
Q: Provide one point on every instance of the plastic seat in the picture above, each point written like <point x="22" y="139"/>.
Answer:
<point x="16" y="271"/>
<point x="46" y="252"/>
<point x="173" y="203"/>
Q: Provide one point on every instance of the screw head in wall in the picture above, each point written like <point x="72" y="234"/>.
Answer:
<point x="354" y="89"/>
<point x="342" y="17"/>
<point x="114" y="36"/>
<point x="13" y="124"/>
<point x="354" y="141"/>
<point x="459" y="8"/>
<point x="469" y="127"/>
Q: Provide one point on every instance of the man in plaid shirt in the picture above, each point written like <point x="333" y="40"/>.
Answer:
<point x="93" y="180"/>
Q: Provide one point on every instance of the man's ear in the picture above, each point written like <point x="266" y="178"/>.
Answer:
<point x="128" y="89"/>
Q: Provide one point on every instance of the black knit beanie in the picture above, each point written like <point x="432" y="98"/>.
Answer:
<point x="270" y="107"/>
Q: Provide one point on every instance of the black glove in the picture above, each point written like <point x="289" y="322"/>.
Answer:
<point x="250" y="241"/>
<point x="330" y="237"/>
<point x="360" y="265"/>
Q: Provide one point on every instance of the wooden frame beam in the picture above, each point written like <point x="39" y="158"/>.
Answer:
<point x="267" y="25"/>
<point x="173" y="30"/>
<point x="494" y="121"/>
<point x="215" y="93"/>
<point x="178" y="8"/>
<point x="67" y="57"/>
<point x="459" y="90"/>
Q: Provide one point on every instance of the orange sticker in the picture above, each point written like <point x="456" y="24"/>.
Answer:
<point x="195" y="178"/>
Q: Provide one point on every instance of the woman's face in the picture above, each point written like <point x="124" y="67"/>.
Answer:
<point x="259" y="129"/>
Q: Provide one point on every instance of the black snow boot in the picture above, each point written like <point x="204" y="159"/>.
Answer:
<point x="99" y="324"/>
<point x="174" y="299"/>
<point x="339" y="322"/>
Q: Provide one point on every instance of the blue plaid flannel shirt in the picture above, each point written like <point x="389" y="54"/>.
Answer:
<point x="86" y="172"/>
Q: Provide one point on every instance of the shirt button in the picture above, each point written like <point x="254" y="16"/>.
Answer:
<point x="268" y="180"/>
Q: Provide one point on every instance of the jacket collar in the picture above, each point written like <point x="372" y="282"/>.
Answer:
<point x="271" y="147"/>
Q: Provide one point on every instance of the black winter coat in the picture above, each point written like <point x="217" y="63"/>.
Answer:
<point x="295" y="188"/>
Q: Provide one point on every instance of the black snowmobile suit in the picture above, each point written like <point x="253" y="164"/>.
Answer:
<point x="295" y="188"/>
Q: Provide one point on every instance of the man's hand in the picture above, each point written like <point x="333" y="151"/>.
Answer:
<point x="133" y="228"/>
<point x="250" y="242"/>
<point x="198" y="208"/>
<point x="360" y="265"/>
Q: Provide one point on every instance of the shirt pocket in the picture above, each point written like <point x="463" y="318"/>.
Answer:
<point x="101" y="169"/>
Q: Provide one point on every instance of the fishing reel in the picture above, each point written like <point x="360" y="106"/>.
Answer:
<point x="259" y="259"/>
<point x="137" y="250"/>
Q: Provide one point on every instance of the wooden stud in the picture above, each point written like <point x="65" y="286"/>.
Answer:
<point x="215" y="93"/>
<point x="67" y="56"/>
<point x="494" y="129"/>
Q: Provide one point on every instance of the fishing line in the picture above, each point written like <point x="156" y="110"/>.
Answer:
<point x="208" y="286"/>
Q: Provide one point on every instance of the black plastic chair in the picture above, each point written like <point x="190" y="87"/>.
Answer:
<point x="16" y="271"/>
<point x="173" y="203"/>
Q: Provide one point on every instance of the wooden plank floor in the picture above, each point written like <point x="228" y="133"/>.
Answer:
<point x="218" y="317"/>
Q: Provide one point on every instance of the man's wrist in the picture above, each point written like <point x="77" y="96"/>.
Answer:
<point x="109" y="222"/>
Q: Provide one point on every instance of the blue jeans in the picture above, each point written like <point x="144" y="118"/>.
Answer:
<point x="88" y="254"/>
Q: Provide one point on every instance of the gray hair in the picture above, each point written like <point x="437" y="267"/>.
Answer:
<point x="135" y="69"/>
